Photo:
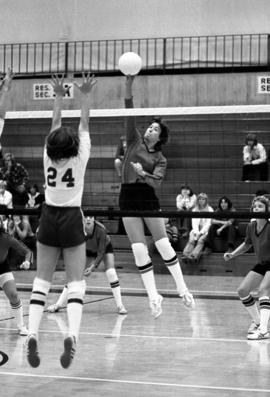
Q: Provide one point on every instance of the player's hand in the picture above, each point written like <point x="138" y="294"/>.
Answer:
<point x="89" y="270"/>
<point x="227" y="256"/>
<point x="87" y="84"/>
<point x="138" y="168"/>
<point x="25" y="265"/>
<point x="57" y="82"/>
<point x="5" y="83"/>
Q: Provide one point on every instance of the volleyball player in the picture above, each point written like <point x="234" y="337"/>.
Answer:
<point x="258" y="237"/>
<point x="99" y="248"/>
<point x="143" y="170"/>
<point x="61" y="227"/>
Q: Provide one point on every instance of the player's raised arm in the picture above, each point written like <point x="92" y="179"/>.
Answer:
<point x="59" y="90"/>
<point x="85" y="89"/>
<point x="5" y="86"/>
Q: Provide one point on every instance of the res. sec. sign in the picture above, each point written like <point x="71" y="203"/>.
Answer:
<point x="263" y="84"/>
<point x="45" y="91"/>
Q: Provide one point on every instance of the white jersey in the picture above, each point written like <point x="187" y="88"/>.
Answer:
<point x="65" y="179"/>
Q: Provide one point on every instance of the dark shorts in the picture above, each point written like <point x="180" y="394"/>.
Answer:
<point x="61" y="227"/>
<point x="4" y="267"/>
<point x="262" y="268"/>
<point x="138" y="197"/>
<point x="108" y="250"/>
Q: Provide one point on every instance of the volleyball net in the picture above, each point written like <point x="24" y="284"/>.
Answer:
<point x="204" y="152"/>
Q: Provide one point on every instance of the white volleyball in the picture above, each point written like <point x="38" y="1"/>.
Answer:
<point x="130" y="63"/>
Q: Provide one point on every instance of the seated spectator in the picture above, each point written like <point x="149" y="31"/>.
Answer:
<point x="172" y="231"/>
<point x="20" y="228"/>
<point x="185" y="201"/>
<point x="119" y="156"/>
<point x="255" y="167"/>
<point x="198" y="234"/>
<point x="5" y="196"/>
<point x="225" y="229"/>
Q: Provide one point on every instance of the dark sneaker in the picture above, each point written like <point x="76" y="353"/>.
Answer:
<point x="32" y="351"/>
<point x="69" y="351"/>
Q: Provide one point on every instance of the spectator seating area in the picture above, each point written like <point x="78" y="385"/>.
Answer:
<point x="204" y="151"/>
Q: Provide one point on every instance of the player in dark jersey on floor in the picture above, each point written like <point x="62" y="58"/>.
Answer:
<point x="143" y="170"/>
<point x="258" y="237"/>
<point x="61" y="226"/>
<point x="99" y="248"/>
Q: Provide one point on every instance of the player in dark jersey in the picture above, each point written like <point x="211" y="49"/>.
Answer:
<point x="258" y="237"/>
<point x="99" y="248"/>
<point x="61" y="226"/>
<point x="143" y="170"/>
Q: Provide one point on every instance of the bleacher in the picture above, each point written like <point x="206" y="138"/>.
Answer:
<point x="204" y="151"/>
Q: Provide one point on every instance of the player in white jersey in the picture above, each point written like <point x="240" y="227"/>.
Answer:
<point x="61" y="225"/>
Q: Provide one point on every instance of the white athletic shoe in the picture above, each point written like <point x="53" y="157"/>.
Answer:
<point x="122" y="310"/>
<point x="258" y="335"/>
<point x="23" y="331"/>
<point x="53" y="308"/>
<point x="188" y="300"/>
<point x="155" y="306"/>
<point x="253" y="327"/>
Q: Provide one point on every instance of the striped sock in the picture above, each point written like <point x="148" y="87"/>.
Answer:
<point x="251" y="307"/>
<point x="76" y="291"/>
<point x="115" y="286"/>
<point x="264" y="303"/>
<point x="147" y="275"/>
<point x="37" y="303"/>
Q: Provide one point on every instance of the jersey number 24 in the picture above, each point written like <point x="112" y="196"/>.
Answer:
<point x="66" y="178"/>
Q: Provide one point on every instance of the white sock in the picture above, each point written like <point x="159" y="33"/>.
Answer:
<point x="264" y="313"/>
<point x="37" y="303"/>
<point x="17" y="310"/>
<point x="251" y="308"/>
<point x="115" y="286"/>
<point x="171" y="261"/>
<point x="76" y="290"/>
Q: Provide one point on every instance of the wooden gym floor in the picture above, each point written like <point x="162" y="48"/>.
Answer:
<point x="196" y="353"/>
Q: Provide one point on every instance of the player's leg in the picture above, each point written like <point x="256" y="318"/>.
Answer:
<point x="61" y="301"/>
<point x="8" y="285"/>
<point x="135" y="231"/>
<point x="168" y="254"/>
<point x="47" y="258"/>
<point x="250" y="282"/>
<point x="74" y="259"/>
<point x="114" y="281"/>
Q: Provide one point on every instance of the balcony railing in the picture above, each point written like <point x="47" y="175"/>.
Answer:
<point x="159" y="55"/>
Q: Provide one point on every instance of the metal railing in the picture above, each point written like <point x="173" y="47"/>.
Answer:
<point x="159" y="55"/>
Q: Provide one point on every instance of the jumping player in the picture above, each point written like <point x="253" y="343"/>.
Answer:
<point x="143" y="170"/>
<point x="99" y="248"/>
<point x="61" y="227"/>
<point x="258" y="237"/>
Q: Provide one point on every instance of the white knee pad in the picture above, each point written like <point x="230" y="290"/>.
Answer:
<point x="5" y="277"/>
<point x="111" y="274"/>
<point x="140" y="253"/>
<point x="41" y="285"/>
<point x="76" y="289"/>
<point x="165" y="249"/>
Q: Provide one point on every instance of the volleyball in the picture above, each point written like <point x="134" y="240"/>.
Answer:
<point x="130" y="63"/>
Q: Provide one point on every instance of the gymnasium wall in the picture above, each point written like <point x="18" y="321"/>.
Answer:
<point x="23" y="21"/>
<point x="154" y="91"/>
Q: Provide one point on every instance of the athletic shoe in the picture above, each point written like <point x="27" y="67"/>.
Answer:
<point x="69" y="351"/>
<point x="121" y="310"/>
<point x="258" y="335"/>
<point x="253" y="327"/>
<point x="53" y="308"/>
<point x="155" y="306"/>
<point x="23" y="331"/>
<point x="188" y="300"/>
<point x="32" y="351"/>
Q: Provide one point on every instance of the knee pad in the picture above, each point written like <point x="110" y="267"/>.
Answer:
<point x="111" y="274"/>
<point x="165" y="249"/>
<point x="140" y="253"/>
<point x="41" y="285"/>
<point x="76" y="291"/>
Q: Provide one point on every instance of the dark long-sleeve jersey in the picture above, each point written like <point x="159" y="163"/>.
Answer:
<point x="97" y="242"/>
<point x="153" y="163"/>
<point x="8" y="242"/>
<point x="259" y="241"/>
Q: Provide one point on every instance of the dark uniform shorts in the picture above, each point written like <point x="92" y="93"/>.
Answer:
<point x="5" y="267"/>
<point x="108" y="250"/>
<point x="262" y="268"/>
<point x="138" y="197"/>
<point x="61" y="227"/>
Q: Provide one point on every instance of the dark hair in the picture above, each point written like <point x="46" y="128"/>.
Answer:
<point x="262" y="199"/>
<point x="35" y="186"/>
<point x="62" y="143"/>
<point x="251" y="137"/>
<point x="227" y="200"/>
<point x="187" y="188"/>
<point x="164" y="133"/>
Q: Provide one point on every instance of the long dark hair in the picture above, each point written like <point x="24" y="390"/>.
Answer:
<point x="227" y="200"/>
<point x="164" y="133"/>
<point x="62" y="143"/>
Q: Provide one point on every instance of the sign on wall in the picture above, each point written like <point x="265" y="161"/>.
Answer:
<point x="45" y="91"/>
<point x="263" y="84"/>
